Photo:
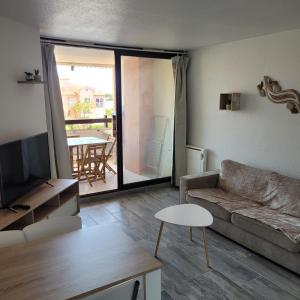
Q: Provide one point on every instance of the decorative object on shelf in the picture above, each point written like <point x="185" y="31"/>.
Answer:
<point x="230" y="101"/>
<point x="32" y="78"/>
<point x="29" y="76"/>
<point x="271" y="89"/>
<point x="37" y="76"/>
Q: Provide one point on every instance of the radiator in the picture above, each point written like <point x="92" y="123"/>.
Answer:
<point x="196" y="160"/>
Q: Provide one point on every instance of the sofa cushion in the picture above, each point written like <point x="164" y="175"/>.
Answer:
<point x="278" y="228"/>
<point x="220" y="203"/>
<point x="246" y="181"/>
<point x="287" y="195"/>
<point x="215" y="209"/>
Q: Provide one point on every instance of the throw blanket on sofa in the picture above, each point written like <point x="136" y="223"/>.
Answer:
<point x="288" y="225"/>
<point x="279" y="195"/>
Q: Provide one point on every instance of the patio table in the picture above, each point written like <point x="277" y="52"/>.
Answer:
<point x="85" y="140"/>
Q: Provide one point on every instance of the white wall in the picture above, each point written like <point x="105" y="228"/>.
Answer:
<point x="22" y="110"/>
<point x="262" y="133"/>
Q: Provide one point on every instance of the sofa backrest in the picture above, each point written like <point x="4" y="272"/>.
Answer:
<point x="246" y="181"/>
<point x="287" y="195"/>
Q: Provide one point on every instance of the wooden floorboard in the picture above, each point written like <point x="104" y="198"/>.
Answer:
<point x="235" y="273"/>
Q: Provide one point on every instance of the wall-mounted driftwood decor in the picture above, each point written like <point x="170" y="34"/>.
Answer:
<point x="273" y="91"/>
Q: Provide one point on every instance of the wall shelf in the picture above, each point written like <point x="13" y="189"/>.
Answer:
<point x="31" y="82"/>
<point x="230" y="101"/>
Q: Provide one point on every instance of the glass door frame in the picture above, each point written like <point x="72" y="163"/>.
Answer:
<point x="119" y="52"/>
<point x="118" y="80"/>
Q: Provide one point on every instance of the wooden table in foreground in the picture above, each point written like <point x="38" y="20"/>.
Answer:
<point x="76" y="265"/>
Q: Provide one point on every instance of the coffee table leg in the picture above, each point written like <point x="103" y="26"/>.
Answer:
<point x="205" y="245"/>
<point x="191" y="233"/>
<point x="158" y="239"/>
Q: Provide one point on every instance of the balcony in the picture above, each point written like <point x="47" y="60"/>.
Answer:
<point x="105" y="129"/>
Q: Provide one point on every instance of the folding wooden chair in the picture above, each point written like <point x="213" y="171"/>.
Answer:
<point x="92" y="164"/>
<point x="109" y="154"/>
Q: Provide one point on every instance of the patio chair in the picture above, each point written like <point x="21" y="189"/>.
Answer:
<point x="92" y="164"/>
<point x="74" y="155"/>
<point x="109" y="154"/>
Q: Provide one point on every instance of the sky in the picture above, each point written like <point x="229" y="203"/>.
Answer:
<point x="101" y="78"/>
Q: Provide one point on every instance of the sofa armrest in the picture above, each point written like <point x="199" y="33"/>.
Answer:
<point x="199" y="181"/>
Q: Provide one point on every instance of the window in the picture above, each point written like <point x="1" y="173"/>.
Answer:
<point x="99" y="102"/>
<point x="86" y="100"/>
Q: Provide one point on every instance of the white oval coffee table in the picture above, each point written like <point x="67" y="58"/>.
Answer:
<point x="190" y="215"/>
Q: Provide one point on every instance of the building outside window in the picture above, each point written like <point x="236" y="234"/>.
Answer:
<point x="71" y="102"/>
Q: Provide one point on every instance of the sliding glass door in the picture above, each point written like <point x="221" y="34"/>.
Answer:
<point x="125" y="100"/>
<point x="147" y="115"/>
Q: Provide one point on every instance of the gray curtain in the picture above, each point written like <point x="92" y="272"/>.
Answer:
<point x="180" y="64"/>
<point x="58" y="148"/>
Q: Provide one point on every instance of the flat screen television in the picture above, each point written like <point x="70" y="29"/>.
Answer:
<point x="24" y="164"/>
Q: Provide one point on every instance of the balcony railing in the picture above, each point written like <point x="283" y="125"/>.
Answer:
<point x="106" y="121"/>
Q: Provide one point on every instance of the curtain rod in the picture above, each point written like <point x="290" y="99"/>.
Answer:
<point x="70" y="43"/>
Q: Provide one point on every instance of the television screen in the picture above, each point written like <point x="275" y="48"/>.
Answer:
<point x="24" y="164"/>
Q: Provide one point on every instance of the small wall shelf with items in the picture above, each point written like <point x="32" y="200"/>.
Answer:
<point x="230" y="101"/>
<point x="32" y="78"/>
<point x="45" y="201"/>
<point x="31" y="82"/>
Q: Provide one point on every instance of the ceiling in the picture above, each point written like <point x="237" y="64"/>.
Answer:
<point x="166" y="24"/>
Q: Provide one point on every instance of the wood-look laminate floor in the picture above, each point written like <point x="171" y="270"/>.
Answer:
<point x="235" y="273"/>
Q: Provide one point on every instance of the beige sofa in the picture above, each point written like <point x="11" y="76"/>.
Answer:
<point x="257" y="208"/>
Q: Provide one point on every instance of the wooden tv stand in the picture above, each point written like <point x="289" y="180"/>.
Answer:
<point x="45" y="201"/>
